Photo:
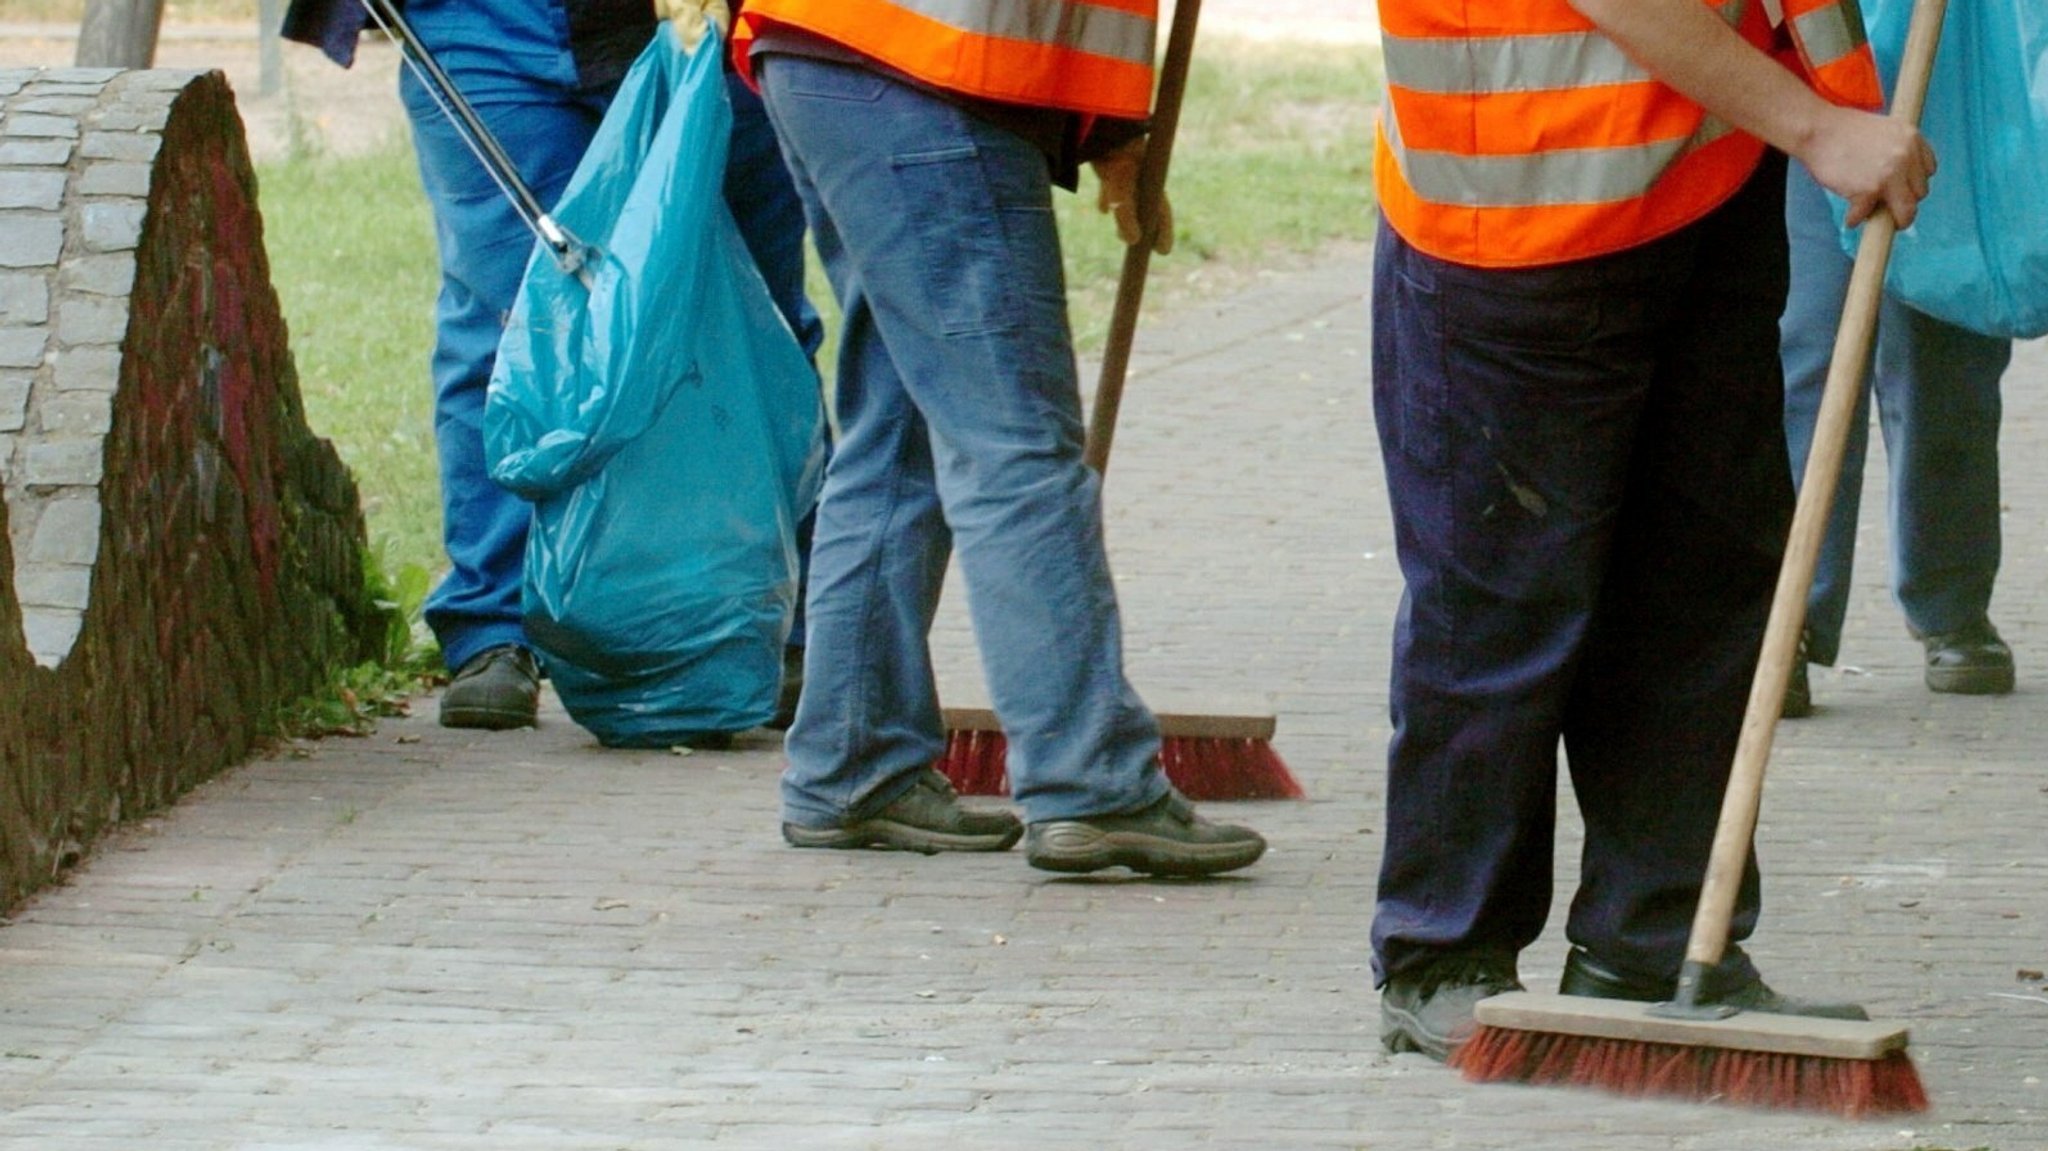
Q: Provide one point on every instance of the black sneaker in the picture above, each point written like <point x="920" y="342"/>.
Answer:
<point x="1969" y="661"/>
<point x="1163" y="838"/>
<point x="1734" y="983"/>
<point x="928" y="818"/>
<point x="1429" y="1009"/>
<point x="498" y="688"/>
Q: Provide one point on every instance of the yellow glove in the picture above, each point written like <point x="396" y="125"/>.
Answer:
<point x="1117" y="175"/>
<point x="691" y="16"/>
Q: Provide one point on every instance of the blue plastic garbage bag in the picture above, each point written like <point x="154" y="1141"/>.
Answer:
<point x="1977" y="253"/>
<point x="664" y="422"/>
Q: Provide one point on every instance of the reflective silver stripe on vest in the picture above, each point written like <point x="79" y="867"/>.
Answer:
<point x="1083" y="27"/>
<point x="1542" y="179"/>
<point x="1491" y="65"/>
<point x="1829" y="34"/>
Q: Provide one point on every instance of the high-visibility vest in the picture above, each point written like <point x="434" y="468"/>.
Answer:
<point x="1089" y="56"/>
<point x="1534" y="139"/>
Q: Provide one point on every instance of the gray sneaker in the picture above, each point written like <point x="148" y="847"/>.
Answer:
<point x="928" y="818"/>
<point x="1165" y="838"/>
<point x="1429" y="1009"/>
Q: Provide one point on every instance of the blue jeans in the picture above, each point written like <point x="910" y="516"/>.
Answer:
<point x="960" y="427"/>
<point x="1590" y="498"/>
<point x="1938" y="403"/>
<point x="512" y="62"/>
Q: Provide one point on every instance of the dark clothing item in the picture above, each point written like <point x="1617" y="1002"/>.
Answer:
<point x="1067" y="139"/>
<point x="1590" y="496"/>
<point x="605" y="36"/>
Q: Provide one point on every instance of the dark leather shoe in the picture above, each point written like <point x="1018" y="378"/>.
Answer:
<point x="929" y="818"/>
<point x="1733" y="984"/>
<point x="1969" y="661"/>
<point x="1165" y="837"/>
<point x="498" y="688"/>
<point x="1429" y="1009"/>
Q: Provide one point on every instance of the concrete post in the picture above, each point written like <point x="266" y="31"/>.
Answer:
<point x="119" y="33"/>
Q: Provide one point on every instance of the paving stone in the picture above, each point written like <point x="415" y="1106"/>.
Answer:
<point x="63" y="463"/>
<point x="24" y="153"/>
<point x="114" y="178"/>
<point x="92" y="319"/>
<point x="24" y="299"/>
<point x="31" y="189"/>
<point x="93" y="369"/>
<point x="23" y="347"/>
<point x="67" y="532"/>
<point x="112" y="226"/>
<point x="29" y="241"/>
<point x="13" y="404"/>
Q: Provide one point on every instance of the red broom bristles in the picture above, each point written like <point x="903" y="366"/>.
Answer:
<point x="1853" y="1088"/>
<point x="1200" y="767"/>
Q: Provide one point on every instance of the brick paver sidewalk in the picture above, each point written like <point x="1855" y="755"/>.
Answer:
<point x="433" y="940"/>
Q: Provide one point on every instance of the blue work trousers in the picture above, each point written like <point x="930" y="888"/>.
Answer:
<point x="1590" y="499"/>
<point x="960" y="429"/>
<point x="512" y="62"/>
<point x="1938" y="403"/>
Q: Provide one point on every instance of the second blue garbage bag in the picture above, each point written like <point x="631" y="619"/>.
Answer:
<point x="664" y="422"/>
<point x="1977" y="255"/>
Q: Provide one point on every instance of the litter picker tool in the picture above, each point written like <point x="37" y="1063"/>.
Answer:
<point x="1206" y="756"/>
<point x="1697" y="1050"/>
<point x="570" y="254"/>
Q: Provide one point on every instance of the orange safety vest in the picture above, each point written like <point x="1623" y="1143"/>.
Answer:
<point x="1534" y="139"/>
<point x="1088" y="56"/>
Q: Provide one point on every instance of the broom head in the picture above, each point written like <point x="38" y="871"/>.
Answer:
<point x="1207" y="756"/>
<point x="1849" y="1067"/>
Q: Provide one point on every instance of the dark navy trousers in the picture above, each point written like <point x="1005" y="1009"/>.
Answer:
<point x="1587" y="469"/>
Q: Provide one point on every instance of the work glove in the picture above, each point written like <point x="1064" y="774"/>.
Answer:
<point x="690" y="17"/>
<point x="1117" y="176"/>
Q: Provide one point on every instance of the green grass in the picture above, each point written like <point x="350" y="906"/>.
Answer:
<point x="352" y="255"/>
<point x="1271" y="165"/>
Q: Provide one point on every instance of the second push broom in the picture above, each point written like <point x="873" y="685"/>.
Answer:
<point x="1207" y="756"/>
<point x="1696" y="1050"/>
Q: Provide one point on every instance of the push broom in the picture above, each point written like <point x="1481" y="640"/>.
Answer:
<point x="1686" y="1048"/>
<point x="1206" y="756"/>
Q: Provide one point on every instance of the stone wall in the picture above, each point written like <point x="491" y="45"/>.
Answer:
<point x="180" y="555"/>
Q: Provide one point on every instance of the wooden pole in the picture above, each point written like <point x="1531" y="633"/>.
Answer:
<point x="119" y="33"/>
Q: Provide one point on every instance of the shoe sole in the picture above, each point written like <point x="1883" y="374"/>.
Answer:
<point x="885" y="835"/>
<point x="487" y="718"/>
<point x="1076" y="848"/>
<point x="1971" y="681"/>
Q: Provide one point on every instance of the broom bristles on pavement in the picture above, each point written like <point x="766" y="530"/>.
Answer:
<point x="1853" y="1088"/>
<point x="1203" y="768"/>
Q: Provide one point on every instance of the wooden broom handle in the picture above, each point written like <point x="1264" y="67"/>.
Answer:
<point x="1130" y="285"/>
<point x="1737" y="826"/>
